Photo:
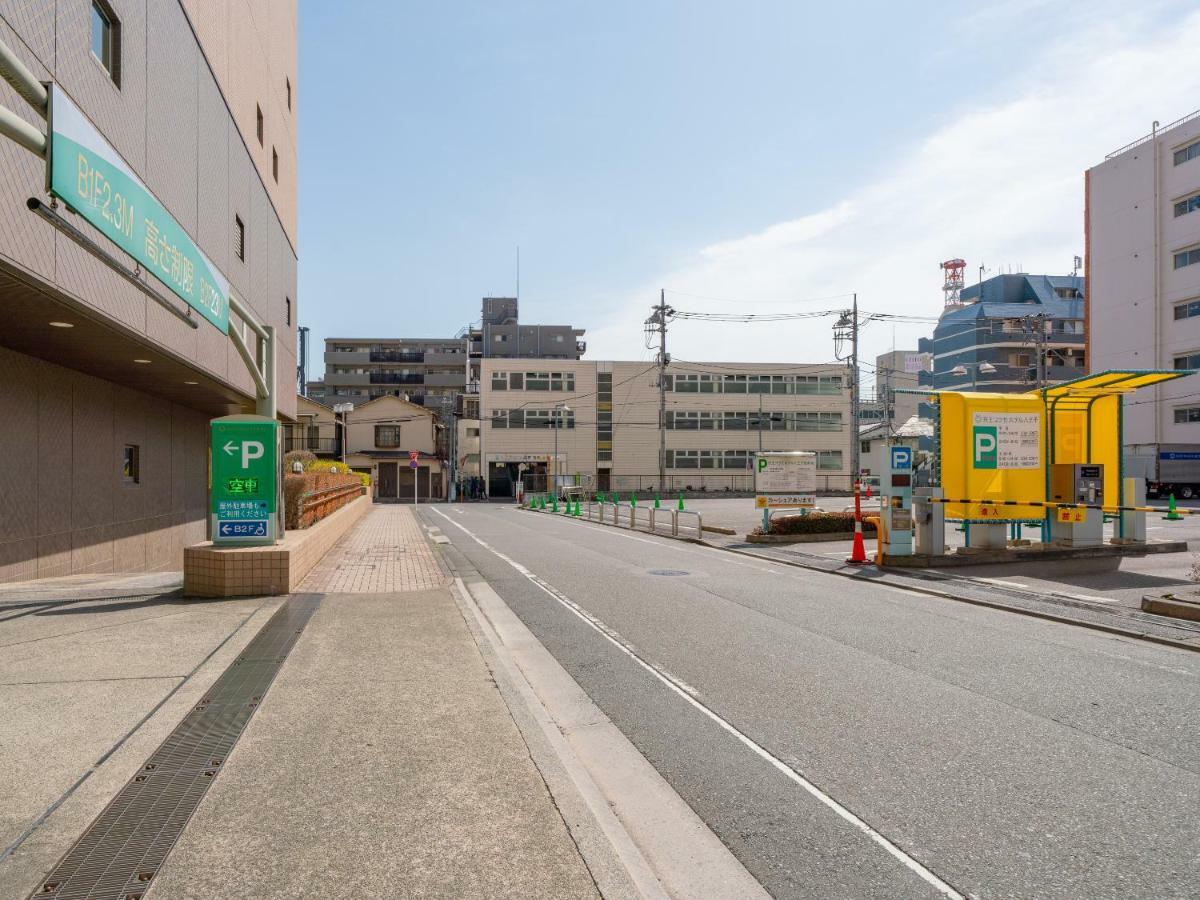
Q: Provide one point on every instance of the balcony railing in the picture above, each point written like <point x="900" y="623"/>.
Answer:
<point x="312" y="444"/>
<point x="396" y="378"/>
<point x="397" y="356"/>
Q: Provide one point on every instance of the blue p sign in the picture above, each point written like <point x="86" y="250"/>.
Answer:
<point x="901" y="458"/>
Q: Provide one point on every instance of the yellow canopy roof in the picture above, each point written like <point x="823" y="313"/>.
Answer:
<point x="1080" y="393"/>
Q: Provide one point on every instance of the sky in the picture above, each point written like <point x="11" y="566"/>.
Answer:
<point x="744" y="157"/>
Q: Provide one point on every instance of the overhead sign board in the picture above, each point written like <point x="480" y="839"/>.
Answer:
<point x="785" y="480"/>
<point x="245" y="462"/>
<point x="86" y="172"/>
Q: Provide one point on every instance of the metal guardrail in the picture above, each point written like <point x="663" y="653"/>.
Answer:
<point x="634" y="518"/>
<point x="1153" y="134"/>
<point x="1052" y="504"/>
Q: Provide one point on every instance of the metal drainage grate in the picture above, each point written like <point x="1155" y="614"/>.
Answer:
<point x="121" y="852"/>
<point x="667" y="572"/>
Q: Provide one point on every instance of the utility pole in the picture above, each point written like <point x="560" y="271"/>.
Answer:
<point x="855" y="448"/>
<point x="846" y="328"/>
<point x="658" y="322"/>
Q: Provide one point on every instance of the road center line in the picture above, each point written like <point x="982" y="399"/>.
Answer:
<point x="678" y="687"/>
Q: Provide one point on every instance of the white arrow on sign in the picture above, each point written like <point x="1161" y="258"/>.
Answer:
<point x="250" y="450"/>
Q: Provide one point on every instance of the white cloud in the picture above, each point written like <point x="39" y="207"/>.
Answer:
<point x="1002" y="184"/>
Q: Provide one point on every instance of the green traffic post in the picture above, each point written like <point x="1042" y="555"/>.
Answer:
<point x="632" y="499"/>
<point x="681" y="501"/>
<point x="1172" y="515"/>
<point x="657" y="505"/>
<point x="554" y="502"/>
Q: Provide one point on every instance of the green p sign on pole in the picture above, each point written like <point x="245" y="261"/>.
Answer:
<point x="245" y="479"/>
<point x="87" y="173"/>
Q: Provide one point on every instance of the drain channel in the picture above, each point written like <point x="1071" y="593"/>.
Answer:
<point x="121" y="852"/>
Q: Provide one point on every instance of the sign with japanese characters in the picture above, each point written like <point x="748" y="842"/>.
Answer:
<point x="1003" y="440"/>
<point x="785" y="480"/>
<point x="87" y="173"/>
<point x="244" y="479"/>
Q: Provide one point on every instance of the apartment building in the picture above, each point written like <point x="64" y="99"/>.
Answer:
<point x="1142" y="232"/>
<point x="429" y="372"/>
<point x="106" y="392"/>
<point x="894" y="372"/>
<point x="500" y="335"/>
<point x="596" y="423"/>
<point x="1009" y="332"/>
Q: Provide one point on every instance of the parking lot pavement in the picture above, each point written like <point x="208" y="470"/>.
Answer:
<point x="1125" y="587"/>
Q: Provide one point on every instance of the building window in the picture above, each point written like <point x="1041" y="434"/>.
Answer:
<point x="472" y="432"/>
<point x="275" y="165"/>
<point x="1189" y="310"/>
<point x="1186" y="415"/>
<point x="499" y="381"/>
<point x="499" y="338"/>
<point x="829" y="459"/>
<point x="258" y="123"/>
<point x="131" y="470"/>
<point x="1188" y="361"/>
<point x="387" y="435"/>
<point x="1187" y="257"/>
<point x="106" y="39"/>
<point x="864" y="446"/>
<point x="1183" y="154"/>
<point x="1187" y="205"/>
<point x="288" y="83"/>
<point x="287" y="311"/>
<point x="239" y="237"/>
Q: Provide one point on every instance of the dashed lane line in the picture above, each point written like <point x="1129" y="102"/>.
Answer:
<point x="678" y="687"/>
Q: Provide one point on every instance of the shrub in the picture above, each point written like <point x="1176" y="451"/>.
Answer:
<point x="302" y="510"/>
<point x="304" y="457"/>
<point x="816" y="523"/>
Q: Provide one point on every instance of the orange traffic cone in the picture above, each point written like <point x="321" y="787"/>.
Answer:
<point x="858" y="554"/>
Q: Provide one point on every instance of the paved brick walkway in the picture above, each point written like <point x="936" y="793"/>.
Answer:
<point x="385" y="552"/>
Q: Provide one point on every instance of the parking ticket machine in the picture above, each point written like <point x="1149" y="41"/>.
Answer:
<point x="1077" y="483"/>
<point x="895" y="516"/>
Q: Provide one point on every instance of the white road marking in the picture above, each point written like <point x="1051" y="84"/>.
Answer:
<point x="1091" y="598"/>
<point x="1003" y="582"/>
<point x="684" y="691"/>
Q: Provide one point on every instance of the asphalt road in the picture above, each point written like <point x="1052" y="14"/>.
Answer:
<point x="851" y="740"/>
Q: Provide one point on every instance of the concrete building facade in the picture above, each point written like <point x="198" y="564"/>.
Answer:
<point x="717" y="416"/>
<point x="106" y="411"/>
<point x="1001" y="327"/>
<point x="430" y="372"/>
<point x="894" y="371"/>
<point x="1142" y="230"/>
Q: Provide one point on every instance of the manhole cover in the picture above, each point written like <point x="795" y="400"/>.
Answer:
<point x="667" y="572"/>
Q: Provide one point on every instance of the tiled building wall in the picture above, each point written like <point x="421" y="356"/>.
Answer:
<point x="175" y="122"/>
<point x="174" y="126"/>
<point x="67" y="509"/>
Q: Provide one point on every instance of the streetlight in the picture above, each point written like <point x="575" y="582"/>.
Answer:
<point x="975" y="368"/>
<point x="339" y="411"/>
<point x="559" y="409"/>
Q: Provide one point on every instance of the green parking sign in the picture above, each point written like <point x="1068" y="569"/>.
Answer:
<point x="245" y="465"/>
<point x="985" y="440"/>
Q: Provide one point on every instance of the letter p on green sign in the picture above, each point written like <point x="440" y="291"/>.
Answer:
<point x="985" y="442"/>
<point x="762" y="464"/>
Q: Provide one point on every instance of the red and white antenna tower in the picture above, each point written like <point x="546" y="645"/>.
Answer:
<point x="953" y="285"/>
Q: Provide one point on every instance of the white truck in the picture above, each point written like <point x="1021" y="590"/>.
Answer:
<point x="1168" y="469"/>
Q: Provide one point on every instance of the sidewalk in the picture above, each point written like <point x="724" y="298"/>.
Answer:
<point x="383" y="762"/>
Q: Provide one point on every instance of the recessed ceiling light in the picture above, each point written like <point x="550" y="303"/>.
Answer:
<point x="191" y="382"/>
<point x="63" y="324"/>
<point x="144" y="362"/>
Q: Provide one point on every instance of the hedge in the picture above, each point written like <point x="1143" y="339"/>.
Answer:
<point x="816" y="523"/>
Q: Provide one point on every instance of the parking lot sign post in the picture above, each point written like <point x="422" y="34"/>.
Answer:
<point x="416" y="467"/>
<point x="244" y="494"/>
